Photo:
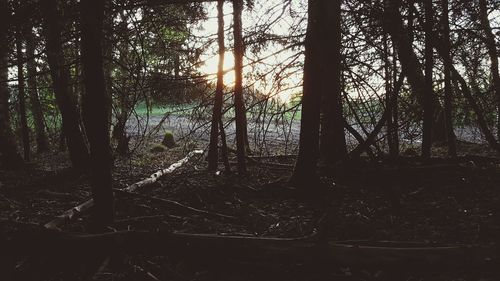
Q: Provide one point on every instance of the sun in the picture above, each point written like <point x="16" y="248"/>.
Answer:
<point x="210" y="65"/>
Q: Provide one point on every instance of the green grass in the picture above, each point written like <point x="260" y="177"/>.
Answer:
<point x="161" y="110"/>
<point x="185" y="109"/>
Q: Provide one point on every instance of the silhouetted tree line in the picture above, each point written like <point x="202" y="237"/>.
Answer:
<point x="432" y="57"/>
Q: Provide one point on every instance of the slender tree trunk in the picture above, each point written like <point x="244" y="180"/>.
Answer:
<point x="482" y="123"/>
<point x="42" y="144"/>
<point x="332" y="145"/>
<point x="428" y="110"/>
<point x="389" y="93"/>
<point x="96" y="105"/>
<point x="476" y="108"/>
<point x="107" y="45"/>
<point x="60" y="75"/>
<point x="213" y="154"/>
<point x="493" y="54"/>
<point x="305" y="167"/>
<point x="119" y="130"/>
<point x="239" y="103"/>
<point x="8" y="148"/>
<point x="119" y="133"/>
<point x="25" y="135"/>
<point x="410" y="64"/>
<point x="448" y="91"/>
<point x="394" y="133"/>
<point x="224" y="150"/>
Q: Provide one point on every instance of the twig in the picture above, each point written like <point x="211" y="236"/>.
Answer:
<point x="174" y="203"/>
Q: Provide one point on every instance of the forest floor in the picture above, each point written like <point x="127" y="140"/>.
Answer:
<point x="441" y="202"/>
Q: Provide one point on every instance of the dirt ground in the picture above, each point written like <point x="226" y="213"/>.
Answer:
<point x="441" y="202"/>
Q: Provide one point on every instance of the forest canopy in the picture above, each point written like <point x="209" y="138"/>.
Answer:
<point x="316" y="95"/>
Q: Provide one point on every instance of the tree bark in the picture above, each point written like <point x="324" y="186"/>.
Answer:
<point x="8" y="148"/>
<point x="448" y="91"/>
<point x="410" y="64"/>
<point x="493" y="54"/>
<point x="305" y="167"/>
<point x="482" y="123"/>
<point x="394" y="111"/>
<point x="239" y="103"/>
<point x="333" y="146"/>
<point x="60" y="75"/>
<point x="428" y="110"/>
<point x="96" y="106"/>
<point x="213" y="154"/>
<point x="224" y="149"/>
<point x="390" y="100"/>
<point x="25" y="135"/>
<point x="119" y="133"/>
<point x="36" y="107"/>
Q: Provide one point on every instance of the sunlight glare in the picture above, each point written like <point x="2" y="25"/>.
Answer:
<point x="210" y="68"/>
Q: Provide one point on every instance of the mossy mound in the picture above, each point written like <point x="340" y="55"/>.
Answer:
<point x="168" y="140"/>
<point x="158" y="148"/>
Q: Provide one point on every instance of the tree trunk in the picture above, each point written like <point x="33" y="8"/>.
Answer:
<point x="36" y="107"/>
<point x="119" y="130"/>
<point x="60" y="75"/>
<point x="239" y="103"/>
<point x="482" y="123"/>
<point x="448" y="91"/>
<point x="8" y="149"/>
<point x="493" y="54"/>
<point x="96" y="106"/>
<point x="481" y="120"/>
<point x="305" y="167"/>
<point x="333" y="146"/>
<point x="396" y="84"/>
<point x="389" y="100"/>
<point x="428" y="110"/>
<point x="213" y="154"/>
<point x="119" y="133"/>
<point x="410" y="64"/>
<point x="224" y="150"/>
<point x="25" y="135"/>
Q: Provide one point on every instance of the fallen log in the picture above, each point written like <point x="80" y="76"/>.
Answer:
<point x="210" y="248"/>
<point x="76" y="211"/>
<point x="176" y="204"/>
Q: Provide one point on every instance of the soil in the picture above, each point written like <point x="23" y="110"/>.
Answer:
<point x="442" y="201"/>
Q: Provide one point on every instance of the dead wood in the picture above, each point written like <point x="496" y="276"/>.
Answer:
<point x="20" y="240"/>
<point x="175" y="204"/>
<point x="76" y="211"/>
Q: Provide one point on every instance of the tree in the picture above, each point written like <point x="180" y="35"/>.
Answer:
<point x="96" y="106"/>
<point x="8" y="149"/>
<point x="217" y="127"/>
<point x="22" y="94"/>
<point x="448" y="91"/>
<point x="429" y="65"/>
<point x="411" y="66"/>
<point x="239" y="103"/>
<point x="305" y="167"/>
<point x="59" y="71"/>
<point x="36" y="107"/>
<point x="332" y="144"/>
<point x="491" y="45"/>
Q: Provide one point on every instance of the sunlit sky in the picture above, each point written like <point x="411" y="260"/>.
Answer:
<point x="263" y="11"/>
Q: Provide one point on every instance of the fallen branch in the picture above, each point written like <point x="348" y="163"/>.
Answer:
<point x="19" y="241"/>
<point x="85" y="206"/>
<point x="175" y="204"/>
